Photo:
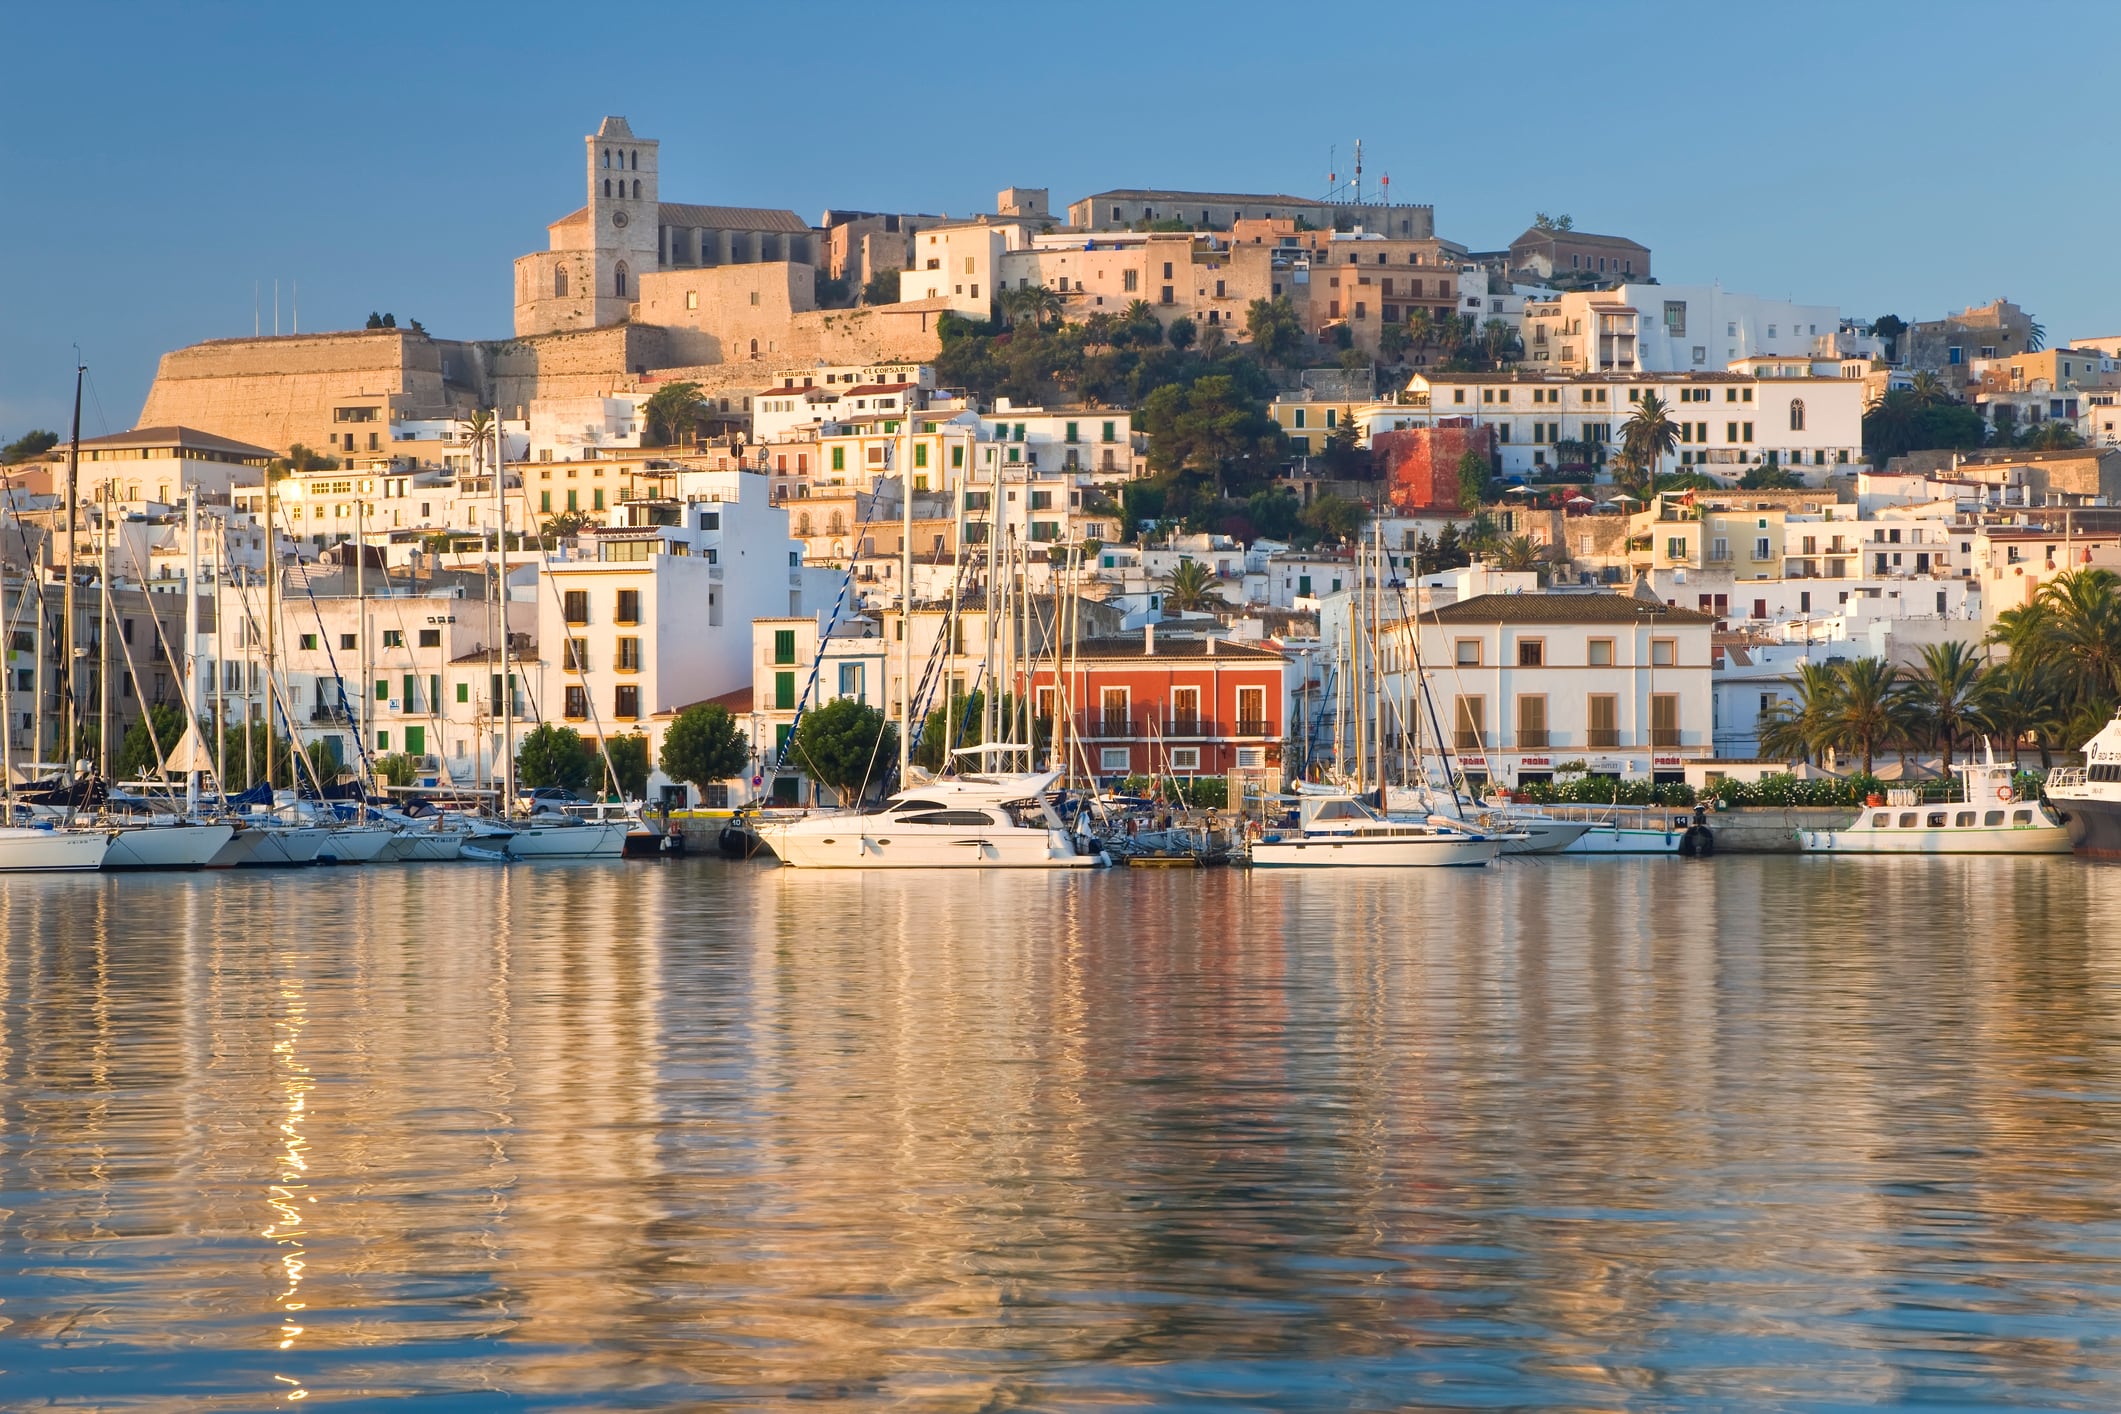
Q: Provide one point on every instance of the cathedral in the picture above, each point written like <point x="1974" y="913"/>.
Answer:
<point x="591" y="272"/>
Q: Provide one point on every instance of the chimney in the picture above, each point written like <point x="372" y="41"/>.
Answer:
<point x="1149" y="639"/>
<point x="1211" y="645"/>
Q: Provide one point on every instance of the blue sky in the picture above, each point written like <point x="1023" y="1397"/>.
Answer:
<point x="160" y="160"/>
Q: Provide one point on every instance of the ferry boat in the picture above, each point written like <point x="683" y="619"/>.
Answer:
<point x="1989" y="817"/>
<point x="1339" y="830"/>
<point x="2088" y="797"/>
<point x="999" y="820"/>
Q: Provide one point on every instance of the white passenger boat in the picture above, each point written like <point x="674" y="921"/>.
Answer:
<point x="170" y="843"/>
<point x="27" y="849"/>
<point x="1339" y="830"/>
<point x="1989" y="817"/>
<point x="999" y="820"/>
<point x="2087" y="798"/>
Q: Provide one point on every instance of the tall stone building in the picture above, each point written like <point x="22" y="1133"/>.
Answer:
<point x="591" y="273"/>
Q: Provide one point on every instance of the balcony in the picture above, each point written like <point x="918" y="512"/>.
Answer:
<point x="1602" y="739"/>
<point x="1664" y="738"/>
<point x="1532" y="738"/>
<point x="1463" y="740"/>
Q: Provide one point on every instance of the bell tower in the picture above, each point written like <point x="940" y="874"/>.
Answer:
<point x="624" y="215"/>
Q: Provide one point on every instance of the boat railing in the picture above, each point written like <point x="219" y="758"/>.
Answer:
<point x="2066" y="777"/>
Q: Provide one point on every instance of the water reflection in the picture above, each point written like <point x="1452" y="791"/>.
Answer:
<point x="1778" y="1133"/>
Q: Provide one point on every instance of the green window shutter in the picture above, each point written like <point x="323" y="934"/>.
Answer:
<point x="1071" y="432"/>
<point x="416" y="741"/>
<point x="784" y="692"/>
<point x="463" y="692"/>
<point x="382" y="689"/>
<point x="784" y="645"/>
<point x="780" y="739"/>
<point x="839" y="458"/>
<point x="434" y="690"/>
<point x="545" y="501"/>
<point x="408" y="698"/>
<point x="383" y="741"/>
<point x="920" y="454"/>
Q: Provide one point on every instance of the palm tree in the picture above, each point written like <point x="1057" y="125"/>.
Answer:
<point x="1945" y="693"/>
<point x="1497" y="339"/>
<point x="1522" y="554"/>
<point x="1929" y="389"/>
<point x="1042" y="304"/>
<point x="1867" y="712"/>
<point x="1651" y="434"/>
<point x="1190" y="586"/>
<point x="1797" y="730"/>
<point x="2054" y="436"/>
<point x="2035" y="336"/>
<point x="478" y="429"/>
<point x="2085" y="633"/>
<point x="1421" y="328"/>
<point x="2017" y="700"/>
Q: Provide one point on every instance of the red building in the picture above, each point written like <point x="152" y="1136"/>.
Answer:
<point x="1420" y="464"/>
<point x="1159" y="703"/>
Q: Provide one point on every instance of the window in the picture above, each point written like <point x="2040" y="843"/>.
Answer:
<point x="309" y="641"/>
<point x="393" y="638"/>
<point x="629" y="655"/>
<point x="346" y="641"/>
<point x="1531" y="652"/>
<point x="1471" y="716"/>
<point x="618" y="280"/>
<point x="1112" y="759"/>
<point x="1662" y="652"/>
<point x="1185" y="758"/>
<point x="626" y="702"/>
<point x="784" y="645"/>
<point x="1992" y="818"/>
<point x="1532" y="721"/>
<point x="577" y="702"/>
<point x="1601" y="653"/>
<point x="851" y="679"/>
<point x="577" y="655"/>
<point x="1664" y="719"/>
<point x="559" y="283"/>
<point x="1251" y="711"/>
<point x="1602" y="714"/>
<point x="430" y="638"/>
<point x="1130" y="281"/>
<point x="1468" y="652"/>
<point x="464" y="692"/>
<point x="575" y="604"/>
<point x="784" y="692"/>
<point x="1796" y="414"/>
<point x="629" y="607"/>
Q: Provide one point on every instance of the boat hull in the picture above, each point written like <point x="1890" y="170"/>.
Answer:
<point x="1610" y="839"/>
<point x="876" y="842"/>
<point x="585" y="841"/>
<point x="178" y="846"/>
<point x="355" y="844"/>
<point x="434" y="846"/>
<point x="1544" y="836"/>
<point x="270" y="847"/>
<point x="2094" y="825"/>
<point x="1971" y="839"/>
<point x="1386" y="852"/>
<point x="26" y="850"/>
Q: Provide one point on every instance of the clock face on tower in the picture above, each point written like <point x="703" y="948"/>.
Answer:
<point x="618" y="218"/>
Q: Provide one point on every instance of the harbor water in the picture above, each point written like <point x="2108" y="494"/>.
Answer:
<point x="1766" y="1132"/>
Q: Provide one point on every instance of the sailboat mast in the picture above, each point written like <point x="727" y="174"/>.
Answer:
<point x="508" y="713"/>
<point x="66" y="638"/>
<point x="103" y="622"/>
<point x="272" y="579"/>
<point x="191" y="648"/>
<point x="220" y="666"/>
<point x="364" y="714"/>
<point x="905" y="600"/>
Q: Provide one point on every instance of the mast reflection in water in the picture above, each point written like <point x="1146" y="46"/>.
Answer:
<point x="1763" y="1133"/>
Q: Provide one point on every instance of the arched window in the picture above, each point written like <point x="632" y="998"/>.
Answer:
<point x="754" y="348"/>
<point x="802" y="526"/>
<point x="559" y="283"/>
<point x="618" y="280"/>
<point x="1796" y="414"/>
<point x="607" y="186"/>
<point x="607" y="158"/>
<point x="636" y="188"/>
<point x="633" y="160"/>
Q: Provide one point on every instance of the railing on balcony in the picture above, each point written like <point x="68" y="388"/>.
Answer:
<point x="1532" y="738"/>
<point x="1664" y="736"/>
<point x="1603" y="738"/>
<point x="1146" y="725"/>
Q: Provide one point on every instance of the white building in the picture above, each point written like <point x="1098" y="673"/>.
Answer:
<point x="644" y="617"/>
<point x="1668" y="328"/>
<point x="1728" y="422"/>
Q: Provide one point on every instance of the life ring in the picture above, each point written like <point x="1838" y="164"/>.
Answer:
<point x="2004" y="794"/>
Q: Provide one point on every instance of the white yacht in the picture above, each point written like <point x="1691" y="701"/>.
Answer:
<point x="40" y="848"/>
<point x="999" y="820"/>
<point x="564" y="837"/>
<point x="167" y="842"/>
<point x="2088" y="797"/>
<point x="1339" y="830"/>
<point x="1989" y="817"/>
<point x="1541" y="833"/>
<point x="266" y="841"/>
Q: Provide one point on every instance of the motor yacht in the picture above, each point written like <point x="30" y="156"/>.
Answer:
<point x="1989" y="817"/>
<point x="984" y="820"/>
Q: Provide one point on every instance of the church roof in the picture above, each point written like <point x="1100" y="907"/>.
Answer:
<point x="614" y="127"/>
<point x="715" y="218"/>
